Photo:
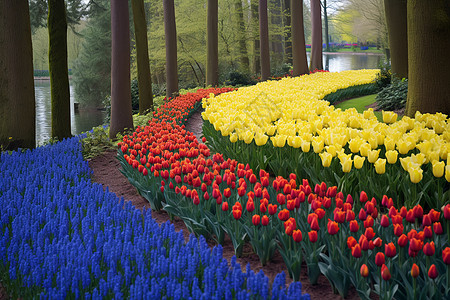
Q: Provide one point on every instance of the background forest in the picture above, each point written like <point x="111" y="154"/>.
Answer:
<point x="89" y="41"/>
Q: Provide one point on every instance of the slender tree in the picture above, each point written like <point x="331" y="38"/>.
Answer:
<point x="288" y="39"/>
<point x="300" y="62"/>
<point x="256" y="54"/>
<point x="17" y="102"/>
<point x="143" y="64"/>
<point x="212" y="56"/>
<point x="316" y="61"/>
<point x="58" y="69"/>
<point x="428" y="60"/>
<point x="325" y="20"/>
<point x="242" y="37"/>
<point x="396" y="16"/>
<point x="121" y="113"/>
<point x="264" y="40"/>
<point x="171" y="49"/>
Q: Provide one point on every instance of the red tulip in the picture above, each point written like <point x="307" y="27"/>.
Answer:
<point x="437" y="227"/>
<point x="364" y="243"/>
<point x="283" y="215"/>
<point x="333" y="227"/>
<point x="402" y="240"/>
<point x="398" y="229"/>
<point x="225" y="206"/>
<point x="320" y="213"/>
<point x="410" y="217"/>
<point x="377" y="242"/>
<point x="363" y="197"/>
<point x="350" y="215"/>
<point x="426" y="220"/>
<point x="418" y="211"/>
<point x="250" y="205"/>
<point x="362" y="214"/>
<point x="379" y="259"/>
<point x="434" y="215"/>
<point x="351" y="242"/>
<point x="356" y="251"/>
<point x="369" y="233"/>
<point x="237" y="214"/>
<point x="447" y="212"/>
<point x="297" y="235"/>
<point x="265" y="181"/>
<point x="312" y="235"/>
<point x="415" y="271"/>
<point x="415" y="244"/>
<point x="263" y="208"/>
<point x="446" y="255"/>
<point x="264" y="220"/>
<point x="432" y="272"/>
<point x="385" y="273"/>
<point x="429" y="249"/>
<point x="427" y="232"/>
<point x="315" y="224"/>
<point x="390" y="250"/>
<point x="364" y="270"/>
<point x="354" y="226"/>
<point x="384" y="221"/>
<point x="339" y="216"/>
<point x="272" y="209"/>
<point x="195" y="200"/>
<point x="256" y="219"/>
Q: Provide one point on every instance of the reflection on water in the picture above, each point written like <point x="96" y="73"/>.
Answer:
<point x="350" y="61"/>
<point x="80" y="122"/>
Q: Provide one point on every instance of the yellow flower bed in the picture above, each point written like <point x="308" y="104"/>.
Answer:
<point x="290" y="111"/>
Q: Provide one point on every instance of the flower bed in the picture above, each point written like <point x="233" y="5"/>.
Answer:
<point x="62" y="236"/>
<point x="283" y="126"/>
<point x="368" y="243"/>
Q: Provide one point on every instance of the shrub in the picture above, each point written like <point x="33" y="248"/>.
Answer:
<point x="393" y="97"/>
<point x="383" y="79"/>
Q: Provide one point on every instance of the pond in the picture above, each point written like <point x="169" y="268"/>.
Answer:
<point x="80" y="121"/>
<point x="84" y="120"/>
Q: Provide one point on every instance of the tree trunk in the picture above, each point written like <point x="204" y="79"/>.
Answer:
<point x="300" y="62"/>
<point x="325" y="20"/>
<point x="264" y="40"/>
<point x="428" y="62"/>
<point x="316" y="62"/>
<point x="396" y="16"/>
<point x="171" y="49"/>
<point x="277" y="57"/>
<point x="212" y="55"/>
<point x="121" y="112"/>
<point x="58" y="69"/>
<point x="143" y="64"/>
<point x="17" y="104"/>
<point x="242" y="37"/>
<point x="288" y="39"/>
<point x="256" y="53"/>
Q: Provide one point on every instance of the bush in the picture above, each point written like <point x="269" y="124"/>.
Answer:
<point x="383" y="79"/>
<point x="393" y="97"/>
<point x="236" y="78"/>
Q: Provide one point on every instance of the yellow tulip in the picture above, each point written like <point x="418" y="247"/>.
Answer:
<point x="248" y="137"/>
<point x="364" y="149"/>
<point x="279" y="140"/>
<point x="368" y="114"/>
<point x="331" y="149"/>
<point x="306" y="146"/>
<point x="317" y="144"/>
<point x="391" y="156"/>
<point x="389" y="117"/>
<point x="358" y="161"/>
<point x="233" y="137"/>
<point x="346" y="164"/>
<point x="389" y="143"/>
<point x="270" y="130"/>
<point x="447" y="173"/>
<point x="261" y="139"/>
<point x="372" y="155"/>
<point x="295" y="141"/>
<point x="326" y="159"/>
<point x="380" y="166"/>
<point x="355" y="144"/>
<point x="438" y="168"/>
<point x="403" y="146"/>
<point x="415" y="174"/>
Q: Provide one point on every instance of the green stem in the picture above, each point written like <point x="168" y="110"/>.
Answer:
<point x="414" y="288"/>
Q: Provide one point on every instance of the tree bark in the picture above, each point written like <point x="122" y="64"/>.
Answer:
<point x="428" y="61"/>
<point x="242" y="37"/>
<point x="58" y="69"/>
<point x="264" y="40"/>
<point x="396" y="16"/>
<point x="212" y="55"/>
<point x="171" y="49"/>
<point x="316" y="62"/>
<point x="17" y="103"/>
<point x="256" y="53"/>
<point x="325" y="20"/>
<point x="277" y="40"/>
<point x="299" y="60"/>
<point x="143" y="64"/>
<point x="121" y="112"/>
<point x="288" y="39"/>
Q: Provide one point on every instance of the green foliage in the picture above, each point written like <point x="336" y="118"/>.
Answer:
<point x="394" y="96"/>
<point x="92" y="68"/>
<point x="354" y="91"/>
<point x="96" y="142"/>
<point x="384" y="78"/>
<point x="236" y="78"/>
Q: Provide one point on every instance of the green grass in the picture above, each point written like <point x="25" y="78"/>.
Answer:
<point x="360" y="104"/>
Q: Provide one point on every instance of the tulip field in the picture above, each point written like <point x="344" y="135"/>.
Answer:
<point x="363" y="202"/>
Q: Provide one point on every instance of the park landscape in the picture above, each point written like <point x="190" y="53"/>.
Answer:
<point x="291" y="186"/>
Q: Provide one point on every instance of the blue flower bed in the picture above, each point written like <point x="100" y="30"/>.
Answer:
<point x="63" y="236"/>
